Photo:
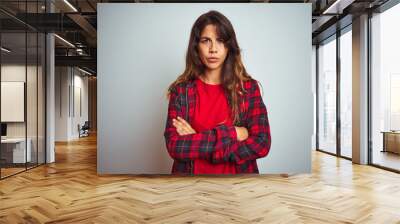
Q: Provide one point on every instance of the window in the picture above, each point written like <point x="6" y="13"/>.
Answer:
<point x="346" y="93"/>
<point x="327" y="96"/>
<point x="385" y="88"/>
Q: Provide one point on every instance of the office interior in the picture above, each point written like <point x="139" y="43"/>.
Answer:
<point x="48" y="86"/>
<point x="33" y="63"/>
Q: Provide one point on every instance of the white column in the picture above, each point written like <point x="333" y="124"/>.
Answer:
<point x="360" y="90"/>
<point x="50" y="98"/>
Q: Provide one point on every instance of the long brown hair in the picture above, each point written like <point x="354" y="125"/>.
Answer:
<point x="233" y="72"/>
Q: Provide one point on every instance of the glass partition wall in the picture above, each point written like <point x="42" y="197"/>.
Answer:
<point x="334" y="90"/>
<point x="22" y="88"/>
<point x="385" y="89"/>
<point x="327" y="95"/>
<point x="334" y="94"/>
<point x="346" y="95"/>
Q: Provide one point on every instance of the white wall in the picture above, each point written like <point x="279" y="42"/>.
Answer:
<point x="80" y="84"/>
<point x="141" y="50"/>
<point x="61" y="103"/>
<point x="67" y="116"/>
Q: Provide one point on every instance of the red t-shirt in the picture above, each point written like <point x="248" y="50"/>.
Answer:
<point x="211" y="109"/>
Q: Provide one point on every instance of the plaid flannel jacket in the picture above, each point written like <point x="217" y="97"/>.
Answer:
<point x="219" y="144"/>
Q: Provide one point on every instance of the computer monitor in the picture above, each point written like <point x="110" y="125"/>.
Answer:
<point x="3" y="129"/>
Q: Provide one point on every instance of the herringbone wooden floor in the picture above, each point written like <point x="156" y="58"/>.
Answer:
<point x="70" y="191"/>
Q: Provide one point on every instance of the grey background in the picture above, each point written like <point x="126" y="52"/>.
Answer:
<point x="141" y="50"/>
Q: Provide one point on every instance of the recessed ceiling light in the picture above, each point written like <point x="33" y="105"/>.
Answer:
<point x="84" y="71"/>
<point x="334" y="7"/>
<point x="70" y="5"/>
<point x="5" y="50"/>
<point x="64" y="40"/>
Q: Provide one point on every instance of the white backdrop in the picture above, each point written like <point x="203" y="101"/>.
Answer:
<point x="141" y="50"/>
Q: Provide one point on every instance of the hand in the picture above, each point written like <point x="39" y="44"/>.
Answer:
<point x="242" y="133"/>
<point x="182" y="126"/>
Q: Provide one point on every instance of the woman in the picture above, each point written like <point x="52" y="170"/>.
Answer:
<point x="217" y="122"/>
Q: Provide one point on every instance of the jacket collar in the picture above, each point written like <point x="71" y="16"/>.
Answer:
<point x="191" y="83"/>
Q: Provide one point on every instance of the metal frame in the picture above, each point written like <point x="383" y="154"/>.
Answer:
<point x="45" y="91"/>
<point x="26" y="88"/>
<point x="44" y="75"/>
<point x="37" y="91"/>
<point x="317" y="97"/>
<point x="338" y="75"/>
<point x="369" y="83"/>
<point x="0" y="93"/>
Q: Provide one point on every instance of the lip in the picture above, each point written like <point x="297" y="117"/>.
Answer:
<point x="212" y="59"/>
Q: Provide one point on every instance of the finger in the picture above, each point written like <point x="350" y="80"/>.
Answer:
<point x="180" y="126"/>
<point x="174" y="122"/>
<point x="183" y="132"/>
<point x="180" y="131"/>
<point x="191" y="130"/>
<point x="185" y="129"/>
<point x="185" y="123"/>
<point x="186" y="132"/>
<point x="183" y="126"/>
<point x="176" y="126"/>
<point x="177" y="123"/>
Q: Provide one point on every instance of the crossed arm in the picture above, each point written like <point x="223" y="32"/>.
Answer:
<point x="184" y="128"/>
<point x="222" y="143"/>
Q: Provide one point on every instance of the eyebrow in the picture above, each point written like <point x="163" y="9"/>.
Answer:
<point x="206" y="37"/>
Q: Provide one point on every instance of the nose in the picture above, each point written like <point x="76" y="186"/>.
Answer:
<point x="213" y="48"/>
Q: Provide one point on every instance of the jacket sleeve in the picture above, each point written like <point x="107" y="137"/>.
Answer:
<point x="258" y="143"/>
<point x="200" y="145"/>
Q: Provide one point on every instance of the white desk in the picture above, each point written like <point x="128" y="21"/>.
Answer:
<point x="19" y="149"/>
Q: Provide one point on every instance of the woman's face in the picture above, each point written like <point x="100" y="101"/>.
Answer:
<point x="211" y="48"/>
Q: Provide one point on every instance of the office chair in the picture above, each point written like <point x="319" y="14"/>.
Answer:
<point x="84" y="130"/>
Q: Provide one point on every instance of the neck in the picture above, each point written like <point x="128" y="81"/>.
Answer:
<point x="212" y="76"/>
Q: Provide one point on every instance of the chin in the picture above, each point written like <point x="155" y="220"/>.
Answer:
<point x="212" y="67"/>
